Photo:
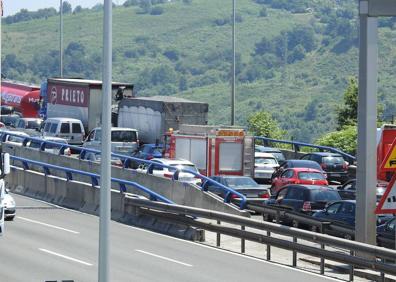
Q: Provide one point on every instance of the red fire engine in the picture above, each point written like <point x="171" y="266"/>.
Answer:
<point x="214" y="150"/>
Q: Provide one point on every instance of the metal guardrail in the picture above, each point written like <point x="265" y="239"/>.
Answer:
<point x="127" y="160"/>
<point x="94" y="178"/>
<point x="355" y="254"/>
<point x="296" y="145"/>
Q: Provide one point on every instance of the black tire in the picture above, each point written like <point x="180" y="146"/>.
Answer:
<point x="267" y="217"/>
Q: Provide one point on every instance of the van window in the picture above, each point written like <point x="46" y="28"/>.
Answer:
<point x="53" y="128"/>
<point x="76" y="128"/>
<point x="65" y="128"/>
<point x="47" y="127"/>
<point x="123" y="136"/>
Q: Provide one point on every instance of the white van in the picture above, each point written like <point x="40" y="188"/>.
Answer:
<point x="123" y="140"/>
<point x="68" y="128"/>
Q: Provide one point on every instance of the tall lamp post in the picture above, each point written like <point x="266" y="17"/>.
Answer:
<point x="61" y="38"/>
<point x="233" y="65"/>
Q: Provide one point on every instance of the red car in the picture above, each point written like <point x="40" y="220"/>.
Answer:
<point x="298" y="175"/>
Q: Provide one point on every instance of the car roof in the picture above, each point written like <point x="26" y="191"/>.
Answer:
<point x="172" y="161"/>
<point x="117" y="128"/>
<point x="325" y="154"/>
<point x="231" y="176"/>
<point x="310" y="187"/>
<point x="267" y="149"/>
<point x="264" y="155"/>
<point x="301" y="161"/>
<point x="306" y="169"/>
<point x="62" y="119"/>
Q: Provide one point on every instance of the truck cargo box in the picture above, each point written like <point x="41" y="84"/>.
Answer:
<point x="153" y="116"/>
<point x="81" y="99"/>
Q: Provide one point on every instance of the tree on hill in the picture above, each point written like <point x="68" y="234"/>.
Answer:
<point x="262" y="124"/>
<point x="345" y="139"/>
<point x="66" y="7"/>
<point x="347" y="113"/>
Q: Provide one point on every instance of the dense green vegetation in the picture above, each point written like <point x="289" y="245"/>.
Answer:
<point x="294" y="58"/>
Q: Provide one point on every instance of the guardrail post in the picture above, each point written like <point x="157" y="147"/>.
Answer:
<point x="351" y="269"/>
<point x="242" y="241"/>
<point x="382" y="273"/>
<point x="322" y="246"/>
<point x="218" y="236"/>
<point x="294" y="253"/>
<point x="268" y="247"/>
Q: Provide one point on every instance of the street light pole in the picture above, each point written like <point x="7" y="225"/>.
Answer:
<point x="105" y="168"/>
<point x="61" y="39"/>
<point x="233" y="65"/>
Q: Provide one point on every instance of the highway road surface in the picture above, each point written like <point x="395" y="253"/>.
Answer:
<point x="47" y="243"/>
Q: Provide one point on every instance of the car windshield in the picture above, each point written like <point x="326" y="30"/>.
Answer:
<point x="123" y="136"/>
<point x="261" y="160"/>
<point x="240" y="181"/>
<point x="185" y="166"/>
<point x="310" y="175"/>
<point x="333" y="160"/>
<point x="34" y="124"/>
<point x="322" y="194"/>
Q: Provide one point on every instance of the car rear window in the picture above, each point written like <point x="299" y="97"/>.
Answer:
<point x="240" y="181"/>
<point x="65" y="128"/>
<point x="261" y="160"/>
<point x="306" y="175"/>
<point x="123" y="136"/>
<point x="76" y="128"/>
<point x="33" y="124"/>
<point x="333" y="160"/>
<point x="308" y="164"/>
<point x="322" y="194"/>
<point x="185" y="166"/>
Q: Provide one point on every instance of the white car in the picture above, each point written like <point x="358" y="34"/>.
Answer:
<point x="50" y="148"/>
<point x="177" y="164"/>
<point x="96" y="157"/>
<point x="9" y="206"/>
<point x="15" y="139"/>
<point x="264" y="165"/>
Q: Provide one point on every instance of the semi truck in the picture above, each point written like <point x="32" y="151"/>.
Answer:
<point x="80" y="99"/>
<point x="4" y="170"/>
<point x="154" y="116"/>
<point x="23" y="98"/>
<point x="215" y="150"/>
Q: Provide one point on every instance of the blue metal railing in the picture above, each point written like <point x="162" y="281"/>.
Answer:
<point x="127" y="160"/>
<point x="94" y="178"/>
<point x="297" y="145"/>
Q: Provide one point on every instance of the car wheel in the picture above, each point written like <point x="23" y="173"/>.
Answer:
<point x="267" y="217"/>
<point x="295" y="224"/>
<point x="11" y="218"/>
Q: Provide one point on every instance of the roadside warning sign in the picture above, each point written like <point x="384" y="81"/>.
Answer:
<point x="389" y="163"/>
<point x="387" y="203"/>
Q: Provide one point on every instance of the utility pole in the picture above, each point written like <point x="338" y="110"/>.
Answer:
<point x="233" y="64"/>
<point x="105" y="167"/>
<point x="61" y="38"/>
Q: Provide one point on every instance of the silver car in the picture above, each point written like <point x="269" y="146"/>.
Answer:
<point x="9" y="206"/>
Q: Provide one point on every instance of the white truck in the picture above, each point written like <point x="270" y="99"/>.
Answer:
<point x="4" y="170"/>
<point x="80" y="99"/>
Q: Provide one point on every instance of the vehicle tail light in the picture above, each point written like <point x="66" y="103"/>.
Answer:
<point x="234" y="196"/>
<point x="149" y="157"/>
<point x="295" y="182"/>
<point x="324" y="166"/>
<point x="264" y="195"/>
<point x="307" y="207"/>
<point x="168" y="175"/>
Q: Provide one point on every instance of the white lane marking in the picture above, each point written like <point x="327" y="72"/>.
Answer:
<point x="164" y="258"/>
<point x="48" y="225"/>
<point x="65" y="257"/>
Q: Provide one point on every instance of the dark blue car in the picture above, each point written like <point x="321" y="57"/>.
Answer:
<point x="149" y="151"/>
<point x="386" y="234"/>
<point x="343" y="212"/>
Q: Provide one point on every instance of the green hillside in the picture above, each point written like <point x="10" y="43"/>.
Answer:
<point x="298" y="72"/>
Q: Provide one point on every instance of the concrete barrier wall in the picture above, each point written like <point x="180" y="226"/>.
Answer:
<point x="84" y="197"/>
<point x="178" y="192"/>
